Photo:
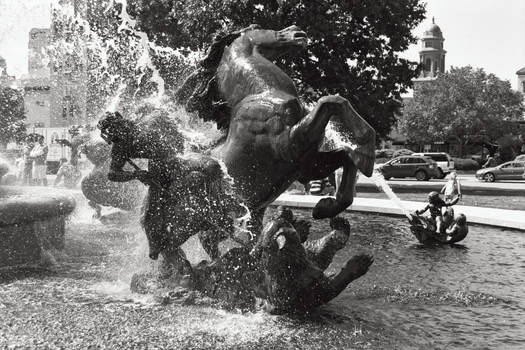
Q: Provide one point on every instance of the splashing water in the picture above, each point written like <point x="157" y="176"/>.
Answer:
<point x="340" y="140"/>
<point x="381" y="183"/>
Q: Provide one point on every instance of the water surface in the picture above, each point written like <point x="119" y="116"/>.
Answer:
<point x="414" y="297"/>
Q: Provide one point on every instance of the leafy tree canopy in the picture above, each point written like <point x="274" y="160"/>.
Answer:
<point x="12" y="116"/>
<point x="353" y="49"/>
<point x="462" y="105"/>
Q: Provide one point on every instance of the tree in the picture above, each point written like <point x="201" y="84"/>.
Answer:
<point x="353" y="49"/>
<point x="462" y="105"/>
<point x="12" y="127"/>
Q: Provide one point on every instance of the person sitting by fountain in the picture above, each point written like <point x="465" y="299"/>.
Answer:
<point x="434" y="206"/>
<point x="68" y="172"/>
<point x="453" y="187"/>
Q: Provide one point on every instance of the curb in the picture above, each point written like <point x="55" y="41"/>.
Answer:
<point x="512" y="219"/>
<point x="466" y="189"/>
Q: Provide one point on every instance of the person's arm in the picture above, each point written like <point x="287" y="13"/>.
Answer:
<point x="452" y="202"/>
<point x="452" y="229"/>
<point x="459" y="187"/>
<point x="419" y="212"/>
<point x="443" y="189"/>
<point x="116" y="169"/>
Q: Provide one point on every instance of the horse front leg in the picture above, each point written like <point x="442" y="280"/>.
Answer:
<point x="308" y="133"/>
<point x="347" y="121"/>
<point x="321" y="165"/>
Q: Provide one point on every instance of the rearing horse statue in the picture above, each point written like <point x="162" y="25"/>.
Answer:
<point x="272" y="139"/>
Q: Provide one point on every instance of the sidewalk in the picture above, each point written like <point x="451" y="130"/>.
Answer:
<point x="514" y="219"/>
<point x="469" y="185"/>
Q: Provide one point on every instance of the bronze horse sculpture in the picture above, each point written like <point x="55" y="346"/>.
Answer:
<point x="272" y="139"/>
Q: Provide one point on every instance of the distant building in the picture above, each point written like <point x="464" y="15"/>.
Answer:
<point x="521" y="84"/>
<point x="37" y="82"/>
<point x="432" y="59"/>
<point x="43" y="95"/>
<point x="5" y="79"/>
<point x="431" y="55"/>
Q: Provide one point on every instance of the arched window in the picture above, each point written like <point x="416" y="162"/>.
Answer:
<point x="523" y="86"/>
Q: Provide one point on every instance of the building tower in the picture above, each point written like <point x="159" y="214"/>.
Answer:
<point x="521" y="80"/>
<point x="432" y="55"/>
<point x="5" y="79"/>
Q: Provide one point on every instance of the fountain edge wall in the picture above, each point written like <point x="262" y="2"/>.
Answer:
<point x="30" y="226"/>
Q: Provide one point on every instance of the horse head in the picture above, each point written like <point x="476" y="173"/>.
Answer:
<point x="273" y="44"/>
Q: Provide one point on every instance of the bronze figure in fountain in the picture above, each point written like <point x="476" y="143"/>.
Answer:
<point x="272" y="141"/>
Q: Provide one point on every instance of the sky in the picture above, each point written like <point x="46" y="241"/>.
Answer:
<point x="488" y="34"/>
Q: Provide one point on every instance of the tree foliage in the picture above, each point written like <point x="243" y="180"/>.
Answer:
<point x="12" y="127"/>
<point x="462" y="105"/>
<point x="353" y="47"/>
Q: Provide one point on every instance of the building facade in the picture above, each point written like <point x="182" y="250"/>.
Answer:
<point x="37" y="83"/>
<point x="5" y="79"/>
<point x="431" y="55"/>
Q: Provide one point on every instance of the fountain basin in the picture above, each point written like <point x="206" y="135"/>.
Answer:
<point x="31" y="224"/>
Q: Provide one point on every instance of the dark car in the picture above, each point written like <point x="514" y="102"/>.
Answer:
<point x="422" y="168"/>
<point x="444" y="162"/>
<point x="507" y="171"/>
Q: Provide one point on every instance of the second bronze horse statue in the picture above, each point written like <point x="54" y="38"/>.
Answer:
<point x="272" y="139"/>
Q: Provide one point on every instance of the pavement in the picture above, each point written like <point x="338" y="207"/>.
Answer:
<point x="469" y="185"/>
<point x="513" y="219"/>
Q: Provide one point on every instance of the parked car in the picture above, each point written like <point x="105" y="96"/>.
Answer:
<point x="422" y="168"/>
<point x="507" y="171"/>
<point x="444" y="162"/>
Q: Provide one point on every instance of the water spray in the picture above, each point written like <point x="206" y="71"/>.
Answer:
<point x="340" y="141"/>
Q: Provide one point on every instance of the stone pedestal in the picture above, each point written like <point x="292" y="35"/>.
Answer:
<point x="30" y="225"/>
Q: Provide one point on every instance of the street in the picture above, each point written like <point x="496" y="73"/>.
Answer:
<point x="467" y="181"/>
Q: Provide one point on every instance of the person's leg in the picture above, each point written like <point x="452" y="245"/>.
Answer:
<point x="439" y="223"/>
<point x="153" y="223"/>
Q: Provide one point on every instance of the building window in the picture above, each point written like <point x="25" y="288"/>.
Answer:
<point x="428" y="44"/>
<point x="40" y="103"/>
<point x="428" y="65"/>
<point x="523" y="86"/>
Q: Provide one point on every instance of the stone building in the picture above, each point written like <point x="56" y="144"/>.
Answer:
<point x="431" y="55"/>
<point x="521" y="81"/>
<point x="37" y="82"/>
<point x="521" y="84"/>
<point x="5" y="79"/>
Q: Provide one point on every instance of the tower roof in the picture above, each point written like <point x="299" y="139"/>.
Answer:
<point x="2" y="62"/>
<point x="521" y="71"/>
<point x="433" y="32"/>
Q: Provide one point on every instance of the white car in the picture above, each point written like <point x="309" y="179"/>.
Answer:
<point x="444" y="162"/>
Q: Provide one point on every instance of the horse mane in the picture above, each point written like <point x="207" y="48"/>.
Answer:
<point x="199" y="93"/>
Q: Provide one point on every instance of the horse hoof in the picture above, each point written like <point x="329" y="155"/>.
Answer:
<point x="340" y="224"/>
<point x="357" y="266"/>
<point x="325" y="208"/>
